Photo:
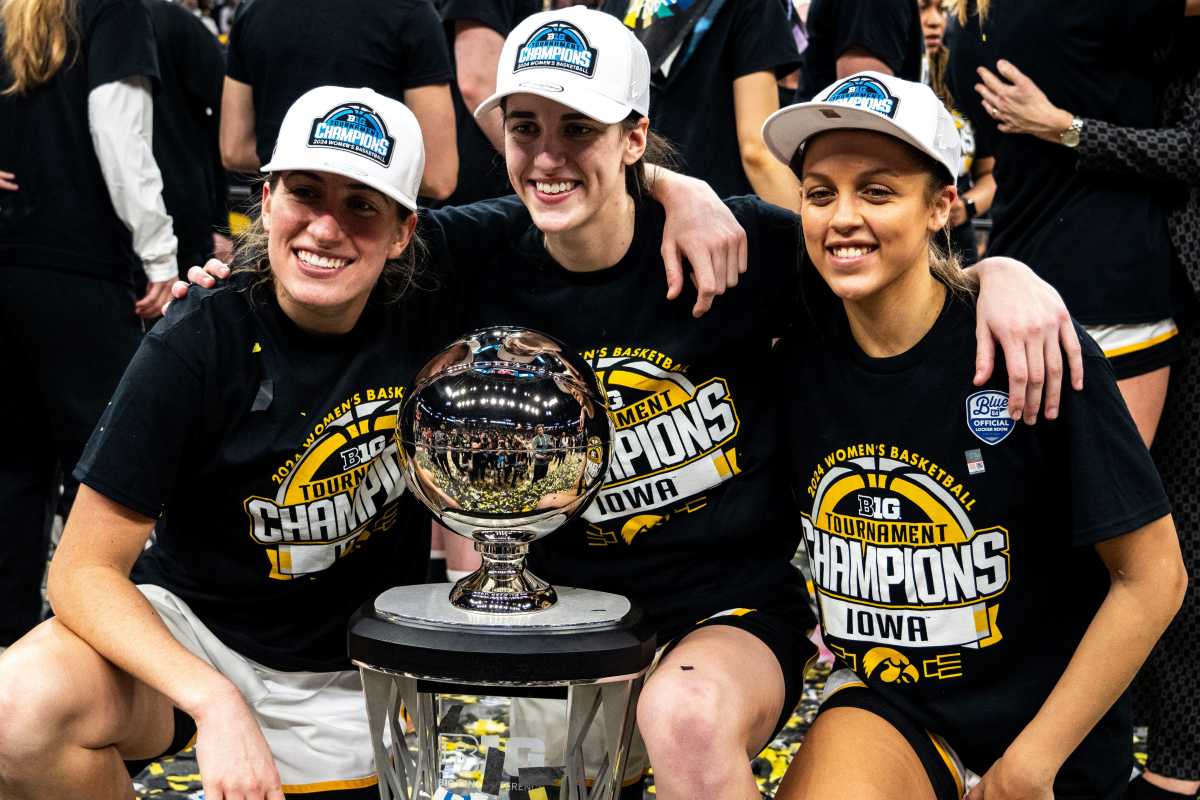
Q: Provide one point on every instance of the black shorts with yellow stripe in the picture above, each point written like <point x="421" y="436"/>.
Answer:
<point x="1138" y="348"/>
<point x="950" y="779"/>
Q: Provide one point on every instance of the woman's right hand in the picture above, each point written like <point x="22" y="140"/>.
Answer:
<point x="207" y="276"/>
<point x="234" y="760"/>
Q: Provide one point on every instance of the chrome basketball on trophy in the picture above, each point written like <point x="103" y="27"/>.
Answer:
<point x="505" y="437"/>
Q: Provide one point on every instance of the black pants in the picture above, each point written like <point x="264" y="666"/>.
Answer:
<point x="1167" y="690"/>
<point x="64" y="342"/>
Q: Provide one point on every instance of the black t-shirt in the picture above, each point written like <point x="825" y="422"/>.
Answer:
<point x="890" y="30"/>
<point x="1100" y="239"/>
<point x="695" y="517"/>
<point x="481" y="171"/>
<point x="692" y="106"/>
<point x="283" y="48"/>
<point x="952" y="549"/>
<point x="186" y="118"/>
<point x="61" y="217"/>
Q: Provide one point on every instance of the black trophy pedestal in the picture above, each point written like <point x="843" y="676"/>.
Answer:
<point x="411" y="644"/>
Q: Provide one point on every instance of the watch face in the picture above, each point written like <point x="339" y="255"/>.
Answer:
<point x="1070" y="137"/>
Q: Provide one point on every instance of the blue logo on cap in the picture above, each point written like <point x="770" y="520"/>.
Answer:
<point x="865" y="93"/>
<point x="559" y="45"/>
<point x="987" y="416"/>
<point x="356" y="128"/>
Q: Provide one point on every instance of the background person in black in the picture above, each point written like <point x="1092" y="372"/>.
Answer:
<point x="849" y="36"/>
<point x="80" y="211"/>
<point x="186" y="119"/>
<point x="989" y="589"/>
<point x="279" y="49"/>
<point x="475" y="30"/>
<point x="713" y="72"/>
<point x="1100" y="240"/>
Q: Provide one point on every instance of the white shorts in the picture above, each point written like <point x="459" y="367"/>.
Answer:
<point x="1137" y="348"/>
<point x="314" y="722"/>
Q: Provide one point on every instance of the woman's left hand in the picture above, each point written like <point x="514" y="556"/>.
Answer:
<point x="1030" y="321"/>
<point x="1010" y="780"/>
<point x="1018" y="105"/>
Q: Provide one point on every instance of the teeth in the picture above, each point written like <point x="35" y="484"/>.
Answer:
<point x="555" y="188"/>
<point x="314" y="260"/>
<point x="851" y="252"/>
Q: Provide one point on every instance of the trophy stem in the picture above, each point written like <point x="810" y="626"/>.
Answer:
<point x="502" y="584"/>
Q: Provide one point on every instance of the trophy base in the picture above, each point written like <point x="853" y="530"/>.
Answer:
<point x="428" y="604"/>
<point x="509" y="592"/>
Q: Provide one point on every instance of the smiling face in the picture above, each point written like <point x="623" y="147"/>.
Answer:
<point x="868" y="212"/>
<point x="567" y="167"/>
<point x="328" y="239"/>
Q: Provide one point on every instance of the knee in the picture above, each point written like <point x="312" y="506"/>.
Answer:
<point x="683" y="715"/>
<point x="34" y="719"/>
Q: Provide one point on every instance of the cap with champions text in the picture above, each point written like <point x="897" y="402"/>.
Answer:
<point x="870" y="101"/>
<point x="356" y="133"/>
<point x="587" y="60"/>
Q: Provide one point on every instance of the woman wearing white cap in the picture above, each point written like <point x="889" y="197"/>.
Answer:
<point x="989" y="589"/>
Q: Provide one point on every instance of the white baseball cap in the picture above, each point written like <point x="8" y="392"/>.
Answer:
<point x="870" y="101"/>
<point x="356" y="133"/>
<point x="587" y="60"/>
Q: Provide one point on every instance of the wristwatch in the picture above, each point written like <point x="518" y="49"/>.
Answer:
<point x="1070" y="137"/>
<point x="969" y="205"/>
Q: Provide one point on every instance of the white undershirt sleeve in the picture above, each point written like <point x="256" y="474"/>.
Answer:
<point x="121" y="122"/>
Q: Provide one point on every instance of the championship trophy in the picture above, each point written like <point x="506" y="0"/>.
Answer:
<point x="505" y="437"/>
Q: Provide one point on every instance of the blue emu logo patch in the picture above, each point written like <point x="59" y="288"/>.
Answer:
<point x="559" y="45"/>
<point x="354" y="127"/>
<point x="867" y="94"/>
<point x="987" y="416"/>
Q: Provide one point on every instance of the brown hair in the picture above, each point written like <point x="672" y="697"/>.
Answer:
<point x="250" y="253"/>
<point x="944" y="264"/>
<point x="659" y="152"/>
<point x="39" y="37"/>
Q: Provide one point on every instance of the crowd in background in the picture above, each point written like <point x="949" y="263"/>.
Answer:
<point x="1080" y="126"/>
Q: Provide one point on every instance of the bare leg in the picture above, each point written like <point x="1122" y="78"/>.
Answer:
<point x="68" y="717"/>
<point x="1145" y="395"/>
<point x="852" y="754"/>
<point x="707" y="710"/>
<point x="1177" y="785"/>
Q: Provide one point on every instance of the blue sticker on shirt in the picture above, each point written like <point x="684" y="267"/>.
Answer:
<point x="355" y="128"/>
<point x="559" y="45"/>
<point x="866" y="93"/>
<point x="987" y="416"/>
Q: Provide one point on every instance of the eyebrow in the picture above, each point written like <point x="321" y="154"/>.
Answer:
<point x="530" y="115"/>
<point x="358" y="187"/>
<point x="868" y="174"/>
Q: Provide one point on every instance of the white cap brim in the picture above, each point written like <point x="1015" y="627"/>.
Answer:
<point x="789" y="128"/>
<point x="313" y="164"/>
<point x="589" y="103"/>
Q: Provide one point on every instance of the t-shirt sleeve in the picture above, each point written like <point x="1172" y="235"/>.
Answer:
<point x="120" y="44"/>
<point x="494" y="14"/>
<point x="881" y="27"/>
<point x="237" y="65"/>
<point x="772" y="253"/>
<point x="1114" y="486"/>
<point x="135" y="451"/>
<point x="462" y="237"/>
<point x="425" y="56"/>
<point x="762" y="39"/>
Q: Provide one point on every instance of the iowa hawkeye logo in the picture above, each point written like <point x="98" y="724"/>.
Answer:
<point x="342" y="487"/>
<point x="895" y="558"/>
<point x="674" y="439"/>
